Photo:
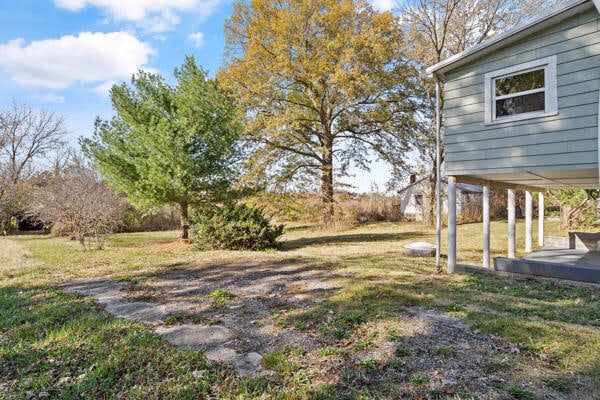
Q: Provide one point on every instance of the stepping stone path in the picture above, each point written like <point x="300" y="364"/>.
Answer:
<point x="212" y="339"/>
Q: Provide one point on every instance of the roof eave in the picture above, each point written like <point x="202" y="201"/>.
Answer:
<point x="510" y="36"/>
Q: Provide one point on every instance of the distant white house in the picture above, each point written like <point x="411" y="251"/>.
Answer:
<point x="415" y="197"/>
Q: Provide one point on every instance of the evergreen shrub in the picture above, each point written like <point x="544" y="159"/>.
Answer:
<point x="234" y="227"/>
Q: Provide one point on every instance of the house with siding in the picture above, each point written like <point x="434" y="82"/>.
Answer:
<point x="521" y="112"/>
<point x="415" y="198"/>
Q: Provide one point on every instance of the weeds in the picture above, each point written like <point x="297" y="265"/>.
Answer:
<point x="445" y="351"/>
<point x="369" y="365"/>
<point x="221" y="296"/>
<point x="418" y="380"/>
<point x="563" y="385"/>
<point x="332" y="351"/>
<point x="519" y="393"/>
<point x="401" y="351"/>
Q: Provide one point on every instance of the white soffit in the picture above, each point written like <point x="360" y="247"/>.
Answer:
<point x="585" y="179"/>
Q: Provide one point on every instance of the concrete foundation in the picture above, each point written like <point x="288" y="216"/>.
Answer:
<point x="572" y="264"/>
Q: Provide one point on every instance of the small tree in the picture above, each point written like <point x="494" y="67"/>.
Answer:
<point x="78" y="203"/>
<point x="169" y="143"/>
<point x="578" y="206"/>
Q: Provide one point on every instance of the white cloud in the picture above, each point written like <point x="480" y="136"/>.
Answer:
<point x="197" y="39"/>
<point x="88" y="57"/>
<point x="103" y="90"/>
<point x="151" y="15"/>
<point x="384" y="5"/>
<point x="50" y="98"/>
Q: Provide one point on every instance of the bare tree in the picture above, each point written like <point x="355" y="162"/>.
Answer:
<point x="27" y="135"/>
<point x="442" y="28"/>
<point x="78" y="203"/>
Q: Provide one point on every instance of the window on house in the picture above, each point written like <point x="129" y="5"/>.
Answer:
<point x="419" y="199"/>
<point x="520" y="92"/>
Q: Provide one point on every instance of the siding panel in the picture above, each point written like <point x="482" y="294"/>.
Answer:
<point x="529" y="139"/>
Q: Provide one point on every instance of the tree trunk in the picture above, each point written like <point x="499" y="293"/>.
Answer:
<point x="565" y="212"/>
<point x="429" y="202"/>
<point x="185" y="224"/>
<point x="327" y="185"/>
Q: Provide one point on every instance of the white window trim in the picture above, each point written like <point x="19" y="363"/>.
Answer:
<point x="551" y="100"/>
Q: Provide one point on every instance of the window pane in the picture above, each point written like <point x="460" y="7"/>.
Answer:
<point x="520" y="104"/>
<point x="520" y="82"/>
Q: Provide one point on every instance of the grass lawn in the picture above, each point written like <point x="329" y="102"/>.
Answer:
<point x="59" y="345"/>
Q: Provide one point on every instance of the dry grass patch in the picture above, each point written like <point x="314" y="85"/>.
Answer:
<point x="14" y="255"/>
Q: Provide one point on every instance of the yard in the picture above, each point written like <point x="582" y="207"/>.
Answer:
<point x="340" y="314"/>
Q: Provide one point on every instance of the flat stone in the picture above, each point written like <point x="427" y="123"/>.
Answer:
<point x="104" y="291"/>
<point x="94" y="287"/>
<point x="181" y="307"/>
<point x="221" y="354"/>
<point x="192" y="335"/>
<point x="148" y="313"/>
<point x="247" y="363"/>
<point x="318" y="285"/>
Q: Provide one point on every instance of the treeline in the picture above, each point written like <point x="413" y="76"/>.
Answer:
<point x="46" y="185"/>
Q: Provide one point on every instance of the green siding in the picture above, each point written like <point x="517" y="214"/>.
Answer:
<point x="568" y="140"/>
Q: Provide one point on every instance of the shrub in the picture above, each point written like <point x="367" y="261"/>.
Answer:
<point x="78" y="204"/>
<point x="234" y="227"/>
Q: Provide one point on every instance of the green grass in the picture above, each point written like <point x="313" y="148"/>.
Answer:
<point x="369" y="365"/>
<point x="401" y="351"/>
<point x="221" y="296"/>
<point x="445" y="351"/>
<point x="418" y="380"/>
<point x="67" y="347"/>
<point x="520" y="393"/>
<point x="62" y="345"/>
<point x="279" y="361"/>
<point x="332" y="351"/>
<point x="563" y="384"/>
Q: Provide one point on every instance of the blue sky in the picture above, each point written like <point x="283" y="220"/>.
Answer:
<point x="64" y="55"/>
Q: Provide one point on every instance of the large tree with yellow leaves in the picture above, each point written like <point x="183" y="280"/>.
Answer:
<point x="324" y="82"/>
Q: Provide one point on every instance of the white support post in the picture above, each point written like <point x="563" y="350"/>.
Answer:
<point x="511" y="224"/>
<point x="528" y="222"/>
<point x="451" y="224"/>
<point x="596" y="2"/>
<point x="438" y="180"/>
<point x="541" y="211"/>
<point x="486" y="227"/>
